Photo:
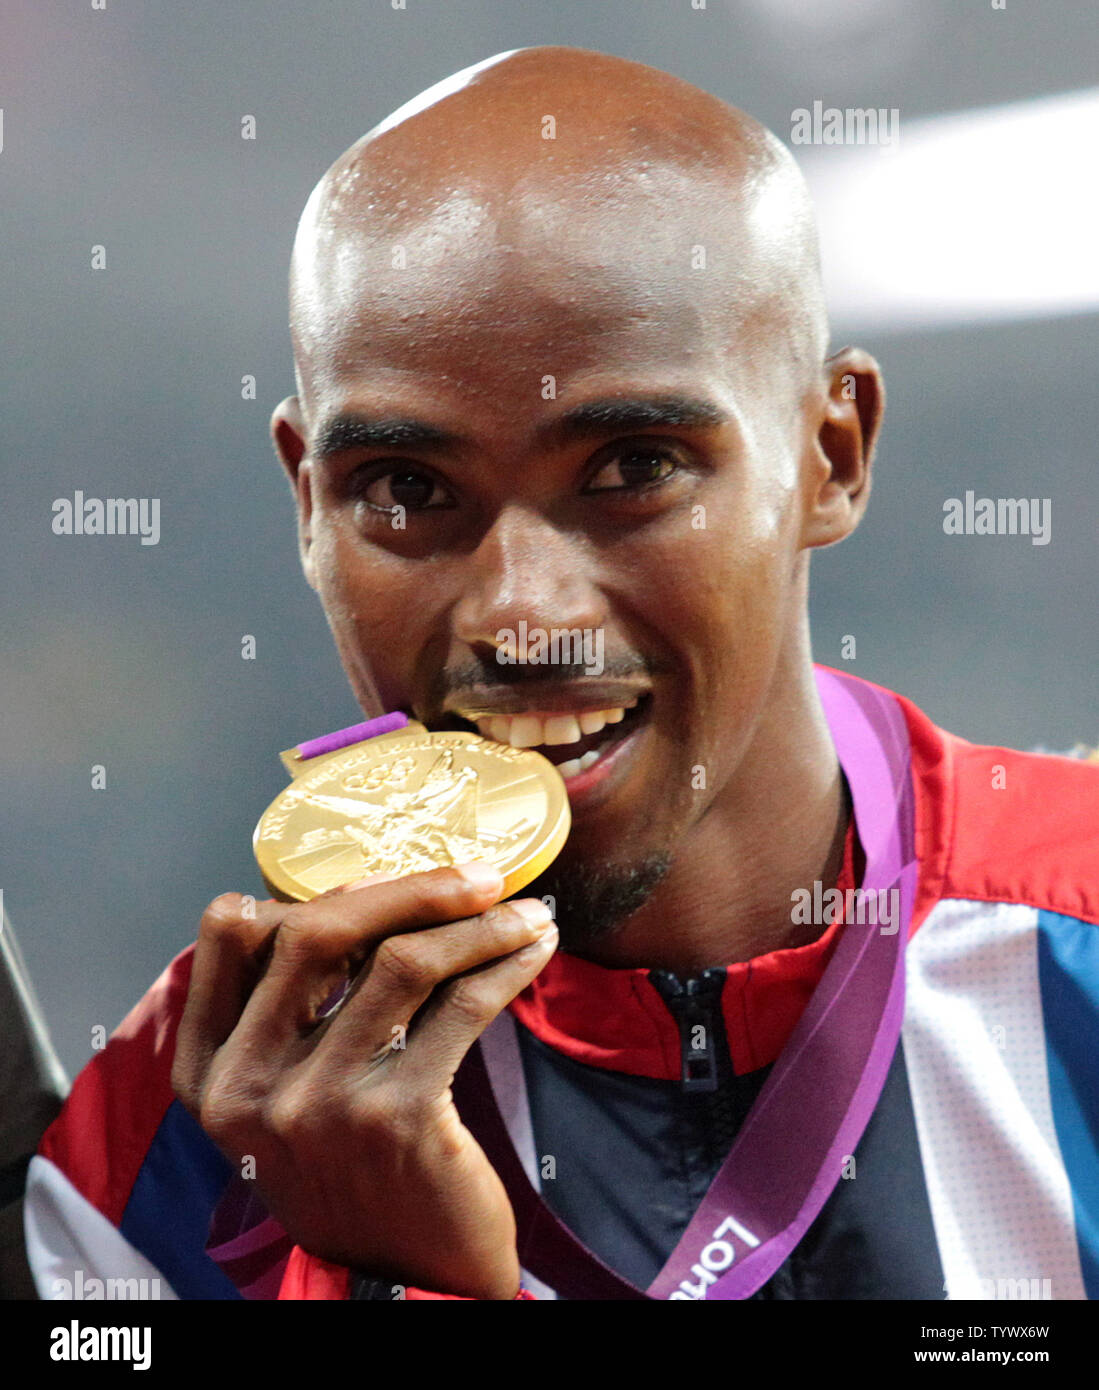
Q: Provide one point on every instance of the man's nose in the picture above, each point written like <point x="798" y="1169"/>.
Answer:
<point x="526" y="571"/>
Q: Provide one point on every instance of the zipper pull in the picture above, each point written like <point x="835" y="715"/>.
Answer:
<point x="693" y="1004"/>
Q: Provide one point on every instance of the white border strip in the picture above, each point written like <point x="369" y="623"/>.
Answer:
<point x="974" y="1046"/>
<point x="504" y="1064"/>
<point x="70" y="1243"/>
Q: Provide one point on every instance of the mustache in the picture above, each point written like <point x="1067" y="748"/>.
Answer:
<point x="477" y="673"/>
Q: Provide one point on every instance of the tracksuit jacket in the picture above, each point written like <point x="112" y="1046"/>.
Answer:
<point x="976" y="1177"/>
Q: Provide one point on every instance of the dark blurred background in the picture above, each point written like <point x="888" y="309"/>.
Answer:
<point x="963" y="257"/>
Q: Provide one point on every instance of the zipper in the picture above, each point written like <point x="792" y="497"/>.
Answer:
<point x="695" y="1004"/>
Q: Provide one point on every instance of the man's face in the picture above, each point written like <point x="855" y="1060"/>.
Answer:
<point x="619" y="453"/>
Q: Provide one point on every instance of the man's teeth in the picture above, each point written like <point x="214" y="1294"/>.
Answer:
<point x="577" y="765"/>
<point x="533" y="730"/>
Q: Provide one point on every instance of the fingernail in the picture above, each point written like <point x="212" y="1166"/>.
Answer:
<point x="543" y="946"/>
<point x="532" y="910"/>
<point x="480" y="874"/>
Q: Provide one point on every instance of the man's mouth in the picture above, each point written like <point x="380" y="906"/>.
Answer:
<point x="574" y="740"/>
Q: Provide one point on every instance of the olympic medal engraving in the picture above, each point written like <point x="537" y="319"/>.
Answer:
<point x="407" y="802"/>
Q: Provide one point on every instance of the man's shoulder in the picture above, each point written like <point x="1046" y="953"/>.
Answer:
<point x="126" y="1183"/>
<point x="1000" y="825"/>
<point x="119" y="1100"/>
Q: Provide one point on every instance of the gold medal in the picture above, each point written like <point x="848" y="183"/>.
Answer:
<point x="405" y="802"/>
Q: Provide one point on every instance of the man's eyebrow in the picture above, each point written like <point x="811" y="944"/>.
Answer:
<point x="622" y="415"/>
<point x="610" y="415"/>
<point x="352" y="431"/>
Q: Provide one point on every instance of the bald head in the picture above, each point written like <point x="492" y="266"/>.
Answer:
<point x="584" y="188"/>
<point x="559" y="336"/>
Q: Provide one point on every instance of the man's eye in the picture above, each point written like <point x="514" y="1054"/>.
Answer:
<point x="407" y="488"/>
<point x="633" y="468"/>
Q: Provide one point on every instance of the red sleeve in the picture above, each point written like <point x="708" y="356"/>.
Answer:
<point x="308" y="1276"/>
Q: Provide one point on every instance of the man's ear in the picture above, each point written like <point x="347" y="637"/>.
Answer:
<point x="288" y="437"/>
<point x="844" y="446"/>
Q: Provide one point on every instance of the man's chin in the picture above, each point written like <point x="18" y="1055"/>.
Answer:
<point x="591" y="902"/>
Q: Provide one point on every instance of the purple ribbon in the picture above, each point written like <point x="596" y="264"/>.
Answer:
<point x="354" y="733"/>
<point x="814" y="1106"/>
<point x="810" y="1113"/>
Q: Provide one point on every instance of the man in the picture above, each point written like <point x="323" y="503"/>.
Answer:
<point x="560" y="347"/>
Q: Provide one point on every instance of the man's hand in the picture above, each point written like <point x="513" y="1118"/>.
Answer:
<point x="359" y="1151"/>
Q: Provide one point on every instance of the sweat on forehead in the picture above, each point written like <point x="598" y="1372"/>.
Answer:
<point x="650" y="197"/>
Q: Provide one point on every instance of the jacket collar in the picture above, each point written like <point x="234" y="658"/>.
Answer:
<point x="615" y="1019"/>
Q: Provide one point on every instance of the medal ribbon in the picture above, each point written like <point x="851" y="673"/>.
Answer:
<point x="354" y="733"/>
<point x="815" y="1104"/>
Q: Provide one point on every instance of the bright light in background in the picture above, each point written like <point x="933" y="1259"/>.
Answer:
<point x="824" y="16"/>
<point x="844" y="43"/>
<point x="986" y="215"/>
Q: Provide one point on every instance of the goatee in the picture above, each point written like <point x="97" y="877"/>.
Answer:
<point x="592" y="902"/>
